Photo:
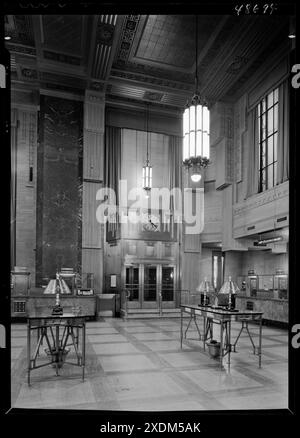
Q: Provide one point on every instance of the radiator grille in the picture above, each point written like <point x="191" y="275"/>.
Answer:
<point x="19" y="306"/>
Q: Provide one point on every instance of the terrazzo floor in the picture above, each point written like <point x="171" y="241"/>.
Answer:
<point x="138" y="365"/>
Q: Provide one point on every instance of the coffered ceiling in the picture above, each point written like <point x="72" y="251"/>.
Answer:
<point x="141" y="58"/>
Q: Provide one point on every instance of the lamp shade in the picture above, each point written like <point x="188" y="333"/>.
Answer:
<point x="205" y="286"/>
<point x="229" y="287"/>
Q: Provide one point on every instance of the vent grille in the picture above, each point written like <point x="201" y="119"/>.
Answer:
<point x="19" y="306"/>
<point x="281" y="219"/>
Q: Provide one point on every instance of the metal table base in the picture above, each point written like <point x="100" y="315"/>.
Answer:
<point x="223" y="318"/>
<point x="49" y="332"/>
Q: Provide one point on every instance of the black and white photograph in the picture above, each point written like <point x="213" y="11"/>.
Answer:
<point x="150" y="209"/>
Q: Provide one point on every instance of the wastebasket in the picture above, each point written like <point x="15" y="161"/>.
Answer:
<point x="213" y="348"/>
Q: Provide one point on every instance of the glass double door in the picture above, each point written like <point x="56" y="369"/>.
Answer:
<point x="150" y="285"/>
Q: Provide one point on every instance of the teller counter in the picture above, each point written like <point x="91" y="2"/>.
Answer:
<point x="23" y="306"/>
<point x="274" y="310"/>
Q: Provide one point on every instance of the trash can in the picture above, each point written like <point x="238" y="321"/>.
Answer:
<point x="213" y="348"/>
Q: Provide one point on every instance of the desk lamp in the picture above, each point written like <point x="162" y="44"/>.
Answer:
<point x="57" y="309"/>
<point x="205" y="287"/>
<point x="229" y="287"/>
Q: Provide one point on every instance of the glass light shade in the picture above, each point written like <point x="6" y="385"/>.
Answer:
<point x="229" y="287"/>
<point x="186" y="147"/>
<point x="205" y="286"/>
<point x="196" y="123"/>
<point x="147" y="177"/>
<point x="186" y="122"/>
<point x="196" y="177"/>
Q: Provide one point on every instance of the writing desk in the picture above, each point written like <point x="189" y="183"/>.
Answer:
<point x="59" y="332"/>
<point x="215" y="315"/>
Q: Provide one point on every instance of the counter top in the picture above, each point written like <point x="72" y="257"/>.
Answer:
<point x="246" y="297"/>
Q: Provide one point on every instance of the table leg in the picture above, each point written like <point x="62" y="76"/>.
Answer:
<point x="229" y="343"/>
<point x="204" y="331"/>
<point x="57" y="347"/>
<point x="28" y="351"/>
<point x="37" y="339"/>
<point x="181" y="326"/>
<point x="190" y="320"/>
<point x="198" y="330"/>
<point x="77" y="336"/>
<point x="83" y="350"/>
<point x="221" y="344"/>
<point x="238" y="337"/>
<point x="260" y="342"/>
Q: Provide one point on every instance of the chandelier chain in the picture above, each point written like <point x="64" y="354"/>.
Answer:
<point x="196" y="47"/>
<point x="147" y="128"/>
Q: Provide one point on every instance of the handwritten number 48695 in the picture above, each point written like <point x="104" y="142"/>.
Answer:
<point x="249" y="8"/>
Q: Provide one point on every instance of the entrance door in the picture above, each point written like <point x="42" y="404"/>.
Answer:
<point x="150" y="299"/>
<point x="167" y="286"/>
<point x="132" y="285"/>
<point x="145" y="283"/>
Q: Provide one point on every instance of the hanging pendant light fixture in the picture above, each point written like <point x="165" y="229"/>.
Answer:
<point x="147" y="169"/>
<point x="196" y="129"/>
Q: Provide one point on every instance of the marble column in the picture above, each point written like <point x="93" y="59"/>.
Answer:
<point x="59" y="187"/>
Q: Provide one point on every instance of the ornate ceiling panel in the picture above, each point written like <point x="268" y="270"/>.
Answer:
<point x="63" y="33"/>
<point x="159" y="42"/>
<point x="169" y="40"/>
<point x="148" y="58"/>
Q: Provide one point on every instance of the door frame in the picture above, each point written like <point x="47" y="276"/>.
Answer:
<point x="141" y="303"/>
<point x="136" y="303"/>
<point x="155" y="303"/>
<point x="169" y="304"/>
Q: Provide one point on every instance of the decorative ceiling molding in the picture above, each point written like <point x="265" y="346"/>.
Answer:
<point x="155" y="81"/>
<point x="25" y="50"/>
<point x="105" y="33"/>
<point x="103" y="46"/>
<point x="29" y="74"/>
<point x="60" y="57"/>
<point x="124" y="102"/>
<point x="127" y="36"/>
<point x="150" y="71"/>
<point x="59" y="87"/>
<point x="62" y="80"/>
<point x="149" y="95"/>
<point x="237" y="64"/>
<point x="97" y="86"/>
<point x="94" y="97"/>
<point x="107" y="56"/>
